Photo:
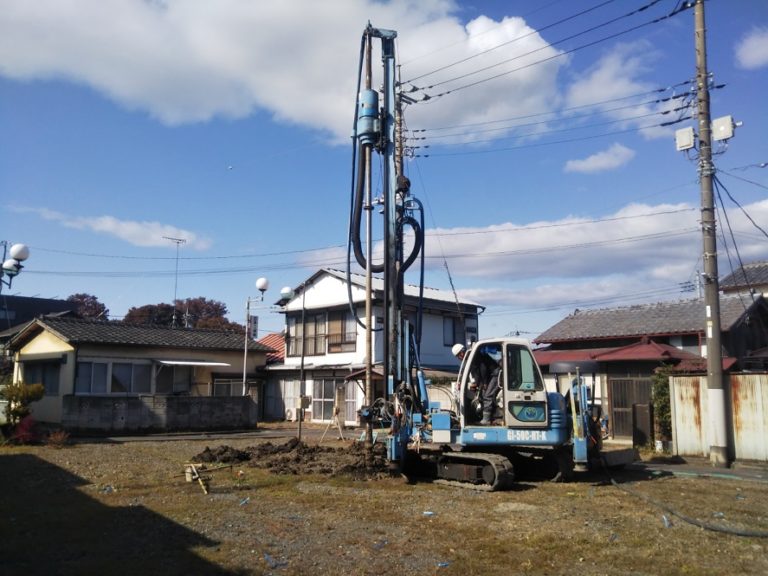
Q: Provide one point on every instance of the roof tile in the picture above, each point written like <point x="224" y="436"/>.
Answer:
<point x="78" y="331"/>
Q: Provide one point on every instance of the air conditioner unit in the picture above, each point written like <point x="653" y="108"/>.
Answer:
<point x="290" y="415"/>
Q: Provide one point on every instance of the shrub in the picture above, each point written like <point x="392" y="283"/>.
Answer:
<point x="19" y="396"/>
<point x="57" y="438"/>
<point x="662" y="411"/>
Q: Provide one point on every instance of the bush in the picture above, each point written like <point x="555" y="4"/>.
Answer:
<point x="19" y="397"/>
<point x="662" y="410"/>
<point x="57" y="438"/>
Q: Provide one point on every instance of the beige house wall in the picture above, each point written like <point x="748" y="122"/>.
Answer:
<point x="47" y="346"/>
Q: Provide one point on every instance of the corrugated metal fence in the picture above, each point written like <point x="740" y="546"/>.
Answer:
<point x="749" y="422"/>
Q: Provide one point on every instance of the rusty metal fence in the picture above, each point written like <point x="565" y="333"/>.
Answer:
<point x="748" y="420"/>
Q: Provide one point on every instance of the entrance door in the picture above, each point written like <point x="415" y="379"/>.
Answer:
<point x="624" y="392"/>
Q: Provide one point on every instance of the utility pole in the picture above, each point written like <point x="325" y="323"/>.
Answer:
<point x="718" y="406"/>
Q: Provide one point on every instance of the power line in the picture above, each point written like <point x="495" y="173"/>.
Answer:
<point x="487" y="31"/>
<point x="515" y="39"/>
<point x="428" y="97"/>
<point x="564" y="224"/>
<point x="553" y="142"/>
<point x="539" y="122"/>
<point x="559" y="247"/>
<point x="567" y="129"/>
<point x="623" y="297"/>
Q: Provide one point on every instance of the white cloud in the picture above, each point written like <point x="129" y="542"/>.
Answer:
<point x="614" y="157"/>
<point x="616" y="80"/>
<point x="187" y="61"/>
<point x="752" y="50"/>
<point x="144" y="234"/>
<point x="640" y="253"/>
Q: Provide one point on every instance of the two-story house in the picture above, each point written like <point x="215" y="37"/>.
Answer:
<point x="325" y="343"/>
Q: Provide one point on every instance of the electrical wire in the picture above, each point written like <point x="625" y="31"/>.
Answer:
<point x="559" y="247"/>
<point x="515" y="39"/>
<point x="571" y="108"/>
<point x="590" y="303"/>
<point x="567" y="129"/>
<point x="553" y="142"/>
<point x="564" y="224"/>
<point x="331" y="262"/>
<point x="563" y="119"/>
<point x="717" y="182"/>
<point x="487" y="31"/>
<point x="428" y="97"/>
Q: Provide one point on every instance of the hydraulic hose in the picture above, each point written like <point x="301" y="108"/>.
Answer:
<point x="357" y="216"/>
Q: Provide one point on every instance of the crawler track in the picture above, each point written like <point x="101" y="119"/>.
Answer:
<point x="477" y="471"/>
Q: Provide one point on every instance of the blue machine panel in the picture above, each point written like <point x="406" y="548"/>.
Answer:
<point x="441" y="421"/>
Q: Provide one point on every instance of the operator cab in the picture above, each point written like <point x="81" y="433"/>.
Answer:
<point x="521" y="400"/>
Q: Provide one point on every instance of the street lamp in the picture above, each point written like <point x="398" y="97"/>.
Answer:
<point x="262" y="284"/>
<point x="12" y="266"/>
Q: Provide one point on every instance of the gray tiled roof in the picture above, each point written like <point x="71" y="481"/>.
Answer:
<point x="754" y="274"/>
<point x="662" y="318"/>
<point x="77" y="331"/>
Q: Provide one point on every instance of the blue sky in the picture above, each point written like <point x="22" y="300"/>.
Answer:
<point x="548" y="182"/>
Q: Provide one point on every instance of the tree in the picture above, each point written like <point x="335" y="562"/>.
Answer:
<point x="662" y="410"/>
<point x="197" y="312"/>
<point x="88" y="306"/>
<point x="150" y="314"/>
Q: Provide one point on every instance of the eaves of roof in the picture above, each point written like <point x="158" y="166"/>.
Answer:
<point x="78" y="331"/>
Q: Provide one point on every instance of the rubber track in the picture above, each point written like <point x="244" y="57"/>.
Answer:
<point x="503" y="468"/>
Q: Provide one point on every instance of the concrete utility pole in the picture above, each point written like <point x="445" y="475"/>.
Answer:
<point x="718" y="431"/>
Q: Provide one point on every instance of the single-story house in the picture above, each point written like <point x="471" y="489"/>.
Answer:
<point x="629" y="343"/>
<point x="117" y="376"/>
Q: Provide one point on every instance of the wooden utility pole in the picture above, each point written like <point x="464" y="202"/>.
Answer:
<point x="718" y="406"/>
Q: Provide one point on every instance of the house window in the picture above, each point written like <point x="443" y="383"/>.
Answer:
<point x="45" y="373"/>
<point x="131" y="378"/>
<point x="173" y="379"/>
<point x="91" y="378"/>
<point x="453" y="331"/>
<point x="323" y="399"/>
<point x="311" y="335"/>
<point x="227" y="387"/>
<point x="342" y="332"/>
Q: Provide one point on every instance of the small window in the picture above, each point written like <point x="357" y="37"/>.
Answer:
<point x="448" y="332"/>
<point x="91" y="378"/>
<point x="521" y="372"/>
<point x="45" y="373"/>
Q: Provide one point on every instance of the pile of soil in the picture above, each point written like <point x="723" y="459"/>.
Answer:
<point x="297" y="458"/>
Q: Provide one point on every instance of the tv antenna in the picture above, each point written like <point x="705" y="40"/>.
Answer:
<point x="178" y="242"/>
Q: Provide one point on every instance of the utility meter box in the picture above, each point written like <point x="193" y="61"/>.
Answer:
<point x="303" y="402"/>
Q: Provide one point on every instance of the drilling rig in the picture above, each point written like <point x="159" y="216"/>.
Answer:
<point x="527" y="422"/>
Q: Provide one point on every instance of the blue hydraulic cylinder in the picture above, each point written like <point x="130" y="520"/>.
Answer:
<point x="368" y="117"/>
<point x="423" y="390"/>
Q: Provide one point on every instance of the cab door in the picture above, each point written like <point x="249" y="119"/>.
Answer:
<point x="525" y="398"/>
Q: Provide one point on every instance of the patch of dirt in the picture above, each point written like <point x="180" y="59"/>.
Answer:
<point x="298" y="458"/>
<point x="287" y="508"/>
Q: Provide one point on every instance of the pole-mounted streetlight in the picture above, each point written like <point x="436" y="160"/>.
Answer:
<point x="12" y="266"/>
<point x="262" y="284"/>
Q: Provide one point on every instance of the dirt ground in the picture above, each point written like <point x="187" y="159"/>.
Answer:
<point x="286" y="507"/>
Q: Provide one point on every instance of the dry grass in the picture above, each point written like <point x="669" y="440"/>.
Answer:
<point x="102" y="508"/>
